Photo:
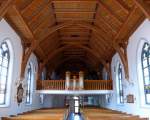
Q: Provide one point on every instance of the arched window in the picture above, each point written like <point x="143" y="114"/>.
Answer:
<point x="4" y="67"/>
<point x="145" y="58"/>
<point x="29" y="83"/>
<point x="120" y="85"/>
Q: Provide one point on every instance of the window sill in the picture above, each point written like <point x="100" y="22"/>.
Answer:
<point x="28" y="104"/>
<point x="120" y="104"/>
<point x="4" y="106"/>
<point x="146" y="106"/>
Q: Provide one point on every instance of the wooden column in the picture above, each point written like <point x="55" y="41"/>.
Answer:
<point x="81" y="80"/>
<point x="67" y="82"/>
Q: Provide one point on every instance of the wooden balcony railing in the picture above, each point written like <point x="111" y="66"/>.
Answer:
<point x="51" y="84"/>
<point x="98" y="84"/>
<point x="88" y="85"/>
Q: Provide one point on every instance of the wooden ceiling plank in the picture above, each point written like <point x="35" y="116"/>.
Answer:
<point x="72" y="12"/>
<point x="29" y="6"/>
<point x="94" y="28"/>
<point x="57" y="27"/>
<point x="111" y="13"/>
<point x="107" y="24"/>
<point x="123" y="6"/>
<point x="97" y="46"/>
<point x="39" y="14"/>
<point x="139" y="21"/>
<point x="4" y="7"/>
<point x="145" y="8"/>
<point x="124" y="25"/>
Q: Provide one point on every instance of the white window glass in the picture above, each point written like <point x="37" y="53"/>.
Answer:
<point x="4" y="66"/>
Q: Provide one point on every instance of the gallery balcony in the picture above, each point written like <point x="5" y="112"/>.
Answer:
<point x="87" y="87"/>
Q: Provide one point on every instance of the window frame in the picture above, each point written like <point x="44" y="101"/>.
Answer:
<point x="29" y="91"/>
<point x="8" y="51"/>
<point x="119" y="84"/>
<point x="146" y="67"/>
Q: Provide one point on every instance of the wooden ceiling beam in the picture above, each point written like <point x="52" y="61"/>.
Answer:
<point x="54" y="28"/>
<point x="79" y="23"/>
<point x="117" y="47"/>
<point x="6" y="4"/>
<point x="34" y="43"/>
<point x="145" y="8"/>
<point x="116" y="44"/>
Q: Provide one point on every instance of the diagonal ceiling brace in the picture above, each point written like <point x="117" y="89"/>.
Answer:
<point x="123" y="56"/>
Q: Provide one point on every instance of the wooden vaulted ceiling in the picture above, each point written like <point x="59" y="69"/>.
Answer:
<point x="89" y="28"/>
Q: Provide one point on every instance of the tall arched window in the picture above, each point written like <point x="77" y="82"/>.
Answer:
<point x="4" y="67"/>
<point x="29" y="81"/>
<point x="120" y="85"/>
<point x="145" y="58"/>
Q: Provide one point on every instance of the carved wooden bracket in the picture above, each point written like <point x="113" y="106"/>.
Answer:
<point x="25" y="58"/>
<point x="122" y="51"/>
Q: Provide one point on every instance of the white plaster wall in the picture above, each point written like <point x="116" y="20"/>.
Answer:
<point x="7" y="32"/>
<point x="132" y="87"/>
<point x="54" y="101"/>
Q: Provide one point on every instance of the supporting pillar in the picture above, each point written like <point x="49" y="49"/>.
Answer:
<point x="74" y="82"/>
<point x="67" y="82"/>
<point x="81" y="80"/>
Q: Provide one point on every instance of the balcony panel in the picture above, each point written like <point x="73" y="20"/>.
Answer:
<point x="88" y="85"/>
